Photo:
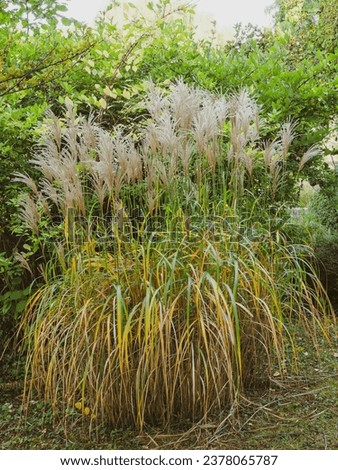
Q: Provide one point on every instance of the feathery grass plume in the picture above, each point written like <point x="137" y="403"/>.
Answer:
<point x="100" y="188"/>
<point x="150" y="142"/>
<point x="106" y="167"/>
<point x="50" y="192"/>
<point x="312" y="152"/>
<point x="244" y="116"/>
<point x="161" y="173"/>
<point x="54" y="128"/>
<point x="47" y="159"/>
<point x="222" y="108"/>
<point x="276" y="176"/>
<point x="89" y="133"/>
<point x="287" y="135"/>
<point x="205" y="126"/>
<point x="27" y="180"/>
<point x="244" y="119"/>
<point x="270" y="149"/>
<point x="23" y="261"/>
<point x="29" y="213"/>
<point x="166" y="134"/>
<point x="275" y="164"/>
<point x="247" y="157"/>
<point x="135" y="166"/>
<point x="155" y="102"/>
<point x="184" y="102"/>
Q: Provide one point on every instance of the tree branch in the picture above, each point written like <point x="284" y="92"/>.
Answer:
<point x="33" y="71"/>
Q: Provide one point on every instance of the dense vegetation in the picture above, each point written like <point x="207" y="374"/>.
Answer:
<point x="152" y="271"/>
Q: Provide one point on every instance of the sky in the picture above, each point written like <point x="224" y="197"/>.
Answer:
<point x="225" y="12"/>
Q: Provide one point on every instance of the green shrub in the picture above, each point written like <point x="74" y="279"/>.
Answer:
<point x="324" y="208"/>
<point x="326" y="252"/>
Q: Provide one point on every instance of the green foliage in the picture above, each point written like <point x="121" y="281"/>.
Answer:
<point x="31" y="15"/>
<point x="13" y="301"/>
<point x="32" y="68"/>
<point x="324" y="210"/>
<point x="324" y="207"/>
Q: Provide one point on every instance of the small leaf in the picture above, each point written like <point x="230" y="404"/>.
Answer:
<point x="68" y="102"/>
<point x="126" y="94"/>
<point x="107" y="91"/>
<point x="66" y="21"/>
<point x="86" y="411"/>
<point x="78" y="405"/>
<point x="103" y="103"/>
<point x="20" y="306"/>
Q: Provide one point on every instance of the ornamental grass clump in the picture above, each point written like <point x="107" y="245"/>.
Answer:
<point x="162" y="299"/>
<point x="164" y="331"/>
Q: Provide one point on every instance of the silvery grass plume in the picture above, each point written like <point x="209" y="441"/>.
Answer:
<point x="276" y="178"/>
<point x="54" y="129"/>
<point x="168" y="140"/>
<point x="270" y="149"/>
<point x="208" y="125"/>
<point x="311" y="153"/>
<point x="155" y="102"/>
<point x="287" y="136"/>
<point x="185" y="118"/>
<point x="23" y="262"/>
<point x="184" y="103"/>
<point x="56" y="159"/>
<point x="29" y="212"/>
<point x="245" y="124"/>
<point x="80" y="162"/>
<point x="244" y="132"/>
<point x="276" y="153"/>
<point x="27" y="180"/>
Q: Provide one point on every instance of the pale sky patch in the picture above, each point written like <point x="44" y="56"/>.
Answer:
<point x="226" y="12"/>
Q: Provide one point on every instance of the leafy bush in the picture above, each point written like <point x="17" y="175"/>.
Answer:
<point x="324" y="209"/>
<point x="326" y="252"/>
